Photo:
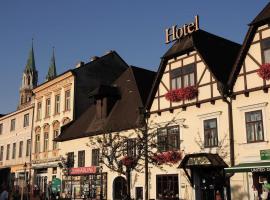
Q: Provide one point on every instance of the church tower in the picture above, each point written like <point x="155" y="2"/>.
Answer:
<point x="52" y="69"/>
<point x="29" y="80"/>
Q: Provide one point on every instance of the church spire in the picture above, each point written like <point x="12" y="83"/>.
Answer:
<point x="52" y="69"/>
<point x="30" y="65"/>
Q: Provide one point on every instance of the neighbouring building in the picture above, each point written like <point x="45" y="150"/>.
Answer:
<point x="114" y="109"/>
<point x="15" y="132"/>
<point x="59" y="100"/>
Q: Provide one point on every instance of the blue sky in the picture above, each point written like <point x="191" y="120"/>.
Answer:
<point x="82" y="29"/>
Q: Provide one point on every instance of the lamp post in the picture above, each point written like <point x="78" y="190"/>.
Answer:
<point x="24" y="184"/>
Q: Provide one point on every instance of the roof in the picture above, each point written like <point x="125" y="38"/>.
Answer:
<point x="124" y="114"/>
<point x="218" y="54"/>
<point x="202" y="160"/>
<point x="52" y="69"/>
<point x="30" y="65"/>
<point x="262" y="18"/>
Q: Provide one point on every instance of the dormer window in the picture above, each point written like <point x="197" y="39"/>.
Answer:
<point x="266" y="50"/>
<point x="183" y="77"/>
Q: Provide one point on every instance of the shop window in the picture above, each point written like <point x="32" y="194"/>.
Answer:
<point x="167" y="187"/>
<point x="28" y="146"/>
<point x="254" y="126"/>
<point x="26" y="120"/>
<point x="39" y="107"/>
<point x="48" y="108"/>
<point x="266" y="50"/>
<point x="46" y="142"/>
<point x="1" y="129"/>
<point x="210" y="133"/>
<point x="81" y="158"/>
<point x="14" y="151"/>
<point x="20" y="149"/>
<point x="12" y="124"/>
<point x="8" y="152"/>
<point x="95" y="157"/>
<point x="1" y="153"/>
<point x="183" y="76"/>
<point x="168" y="138"/>
<point x="54" y="170"/>
<point x="57" y="104"/>
<point x="37" y="143"/>
<point x="67" y="100"/>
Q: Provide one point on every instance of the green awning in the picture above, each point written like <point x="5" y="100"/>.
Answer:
<point x="249" y="167"/>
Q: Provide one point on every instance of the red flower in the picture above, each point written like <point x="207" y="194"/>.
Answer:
<point x="264" y="71"/>
<point x="187" y="93"/>
<point x="128" y="161"/>
<point x="167" y="157"/>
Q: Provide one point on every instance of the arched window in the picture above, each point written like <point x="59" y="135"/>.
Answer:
<point x="37" y="139"/>
<point x="56" y="128"/>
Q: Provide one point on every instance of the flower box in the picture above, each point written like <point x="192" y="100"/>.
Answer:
<point x="168" y="157"/>
<point x="264" y="71"/>
<point x="187" y="93"/>
<point x="128" y="161"/>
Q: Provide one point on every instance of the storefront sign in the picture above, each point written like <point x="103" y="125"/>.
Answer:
<point x="83" y="170"/>
<point x="265" y="154"/>
<point x="175" y="33"/>
<point x="260" y="169"/>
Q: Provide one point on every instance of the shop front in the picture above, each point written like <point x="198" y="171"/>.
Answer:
<point x="206" y="175"/>
<point x="85" y="183"/>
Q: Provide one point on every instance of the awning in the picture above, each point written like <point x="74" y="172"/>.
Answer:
<point x="249" y="167"/>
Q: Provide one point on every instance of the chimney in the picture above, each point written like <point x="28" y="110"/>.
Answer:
<point x="94" y="58"/>
<point x="79" y="64"/>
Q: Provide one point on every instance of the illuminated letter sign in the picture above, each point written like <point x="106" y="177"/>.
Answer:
<point x="175" y="33"/>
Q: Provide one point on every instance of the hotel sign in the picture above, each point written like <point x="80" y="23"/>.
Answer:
<point x="265" y="154"/>
<point x="175" y="33"/>
<point x="83" y="170"/>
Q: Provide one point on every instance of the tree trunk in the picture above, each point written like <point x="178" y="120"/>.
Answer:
<point x="128" y="172"/>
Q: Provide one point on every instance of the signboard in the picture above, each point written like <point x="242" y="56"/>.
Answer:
<point x="175" y="33"/>
<point x="83" y="170"/>
<point x="56" y="185"/>
<point x="265" y="154"/>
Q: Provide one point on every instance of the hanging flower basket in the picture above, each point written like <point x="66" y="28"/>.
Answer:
<point x="264" y="71"/>
<point x="128" y="161"/>
<point x="168" y="157"/>
<point x="187" y="93"/>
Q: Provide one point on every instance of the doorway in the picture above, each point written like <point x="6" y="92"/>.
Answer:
<point x="119" y="188"/>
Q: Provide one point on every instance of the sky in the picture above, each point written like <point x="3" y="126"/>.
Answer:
<point x="82" y="29"/>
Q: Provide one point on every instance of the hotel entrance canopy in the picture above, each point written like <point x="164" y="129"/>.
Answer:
<point x="249" y="167"/>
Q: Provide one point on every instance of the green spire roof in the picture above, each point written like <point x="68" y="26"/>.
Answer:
<point x="52" y="69"/>
<point x="30" y="65"/>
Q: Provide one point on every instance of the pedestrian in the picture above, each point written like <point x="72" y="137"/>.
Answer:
<point x="4" y="192"/>
<point x="218" y="196"/>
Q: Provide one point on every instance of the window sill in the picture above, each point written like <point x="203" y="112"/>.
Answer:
<point x="250" y="143"/>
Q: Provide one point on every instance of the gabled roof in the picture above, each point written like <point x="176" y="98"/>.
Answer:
<point x="262" y="18"/>
<point x="124" y="114"/>
<point x="217" y="53"/>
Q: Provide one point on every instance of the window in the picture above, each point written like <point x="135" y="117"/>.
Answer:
<point x="37" y="143"/>
<point x="46" y="141"/>
<point x="20" y="149"/>
<point x="183" y="76"/>
<point x="14" y="151"/>
<point x="95" y="157"/>
<point x="70" y="159"/>
<point x="131" y="147"/>
<point x="210" y="133"/>
<point x="26" y="120"/>
<point x="39" y="107"/>
<point x="139" y="193"/>
<point x="81" y="158"/>
<point x="57" y="104"/>
<point x="55" y="135"/>
<point x="266" y="50"/>
<point x="168" y="138"/>
<point x="8" y="152"/>
<point x="167" y="187"/>
<point x="254" y="126"/>
<point x="67" y="100"/>
<point x="1" y="129"/>
<point x="1" y="153"/>
<point x="12" y="124"/>
<point x="28" y="146"/>
<point x="48" y="108"/>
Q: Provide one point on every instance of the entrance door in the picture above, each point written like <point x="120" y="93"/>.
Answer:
<point x="119" y="188"/>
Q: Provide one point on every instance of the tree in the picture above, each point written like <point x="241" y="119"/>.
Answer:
<point x="127" y="151"/>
